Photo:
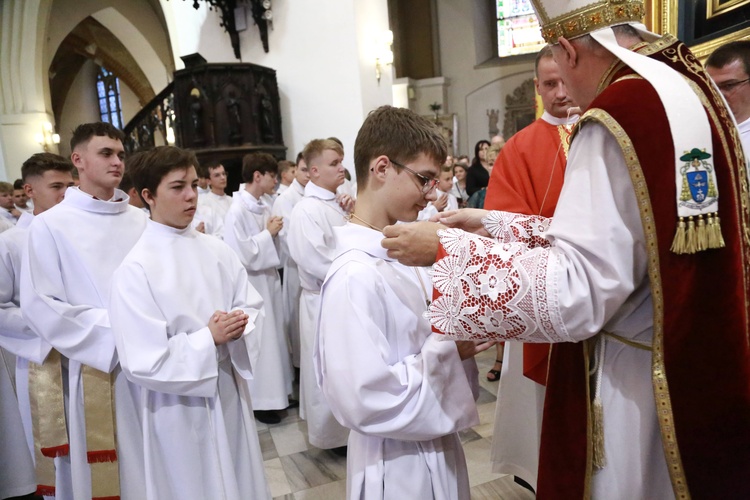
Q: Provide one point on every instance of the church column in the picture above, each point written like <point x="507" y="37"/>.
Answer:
<point x="24" y="92"/>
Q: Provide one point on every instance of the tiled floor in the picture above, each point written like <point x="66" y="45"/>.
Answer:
<point x="298" y="471"/>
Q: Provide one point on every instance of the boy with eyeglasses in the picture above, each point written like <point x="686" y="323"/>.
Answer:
<point x="404" y="394"/>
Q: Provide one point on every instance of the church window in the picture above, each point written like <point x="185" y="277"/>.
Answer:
<point x="108" y="89"/>
<point x="517" y="28"/>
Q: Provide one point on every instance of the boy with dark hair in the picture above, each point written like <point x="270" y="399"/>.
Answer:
<point x="73" y="250"/>
<point x="187" y="356"/>
<point x="8" y="212"/>
<point x="216" y="198"/>
<point x="403" y="393"/>
<point x="251" y="230"/>
<point x="287" y="171"/>
<point x="290" y="285"/>
<point x="20" y="198"/>
<point x="46" y="176"/>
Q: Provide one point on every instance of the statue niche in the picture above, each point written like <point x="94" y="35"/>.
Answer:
<point x="520" y="108"/>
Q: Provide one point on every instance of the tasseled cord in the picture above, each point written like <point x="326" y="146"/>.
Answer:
<point x="597" y="411"/>
<point x="697" y="233"/>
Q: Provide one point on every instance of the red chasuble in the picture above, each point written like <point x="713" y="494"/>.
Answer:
<point x="527" y="179"/>
<point x="701" y="358"/>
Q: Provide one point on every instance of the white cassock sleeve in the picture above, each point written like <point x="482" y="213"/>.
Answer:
<point x="79" y="332"/>
<point x="185" y="363"/>
<point x="256" y="249"/>
<point x="566" y="292"/>
<point x="311" y="240"/>
<point x="15" y="334"/>
<point x="416" y="397"/>
<point x="246" y="298"/>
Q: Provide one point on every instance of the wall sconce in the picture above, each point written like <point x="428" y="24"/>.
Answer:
<point x="47" y="137"/>
<point x="170" y="136"/>
<point x="384" y="53"/>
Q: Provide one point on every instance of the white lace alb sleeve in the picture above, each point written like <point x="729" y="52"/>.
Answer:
<point x="508" y="227"/>
<point x="494" y="290"/>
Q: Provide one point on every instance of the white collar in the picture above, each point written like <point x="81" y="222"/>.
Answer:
<point x="159" y="228"/>
<point x="25" y="219"/>
<point x="250" y="202"/>
<point x="84" y="201"/>
<point x="553" y="120"/>
<point x="316" y="191"/>
<point x="355" y="237"/>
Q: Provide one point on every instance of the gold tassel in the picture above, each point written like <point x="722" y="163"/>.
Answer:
<point x="678" y="244"/>
<point x="691" y="239"/>
<point x="717" y="230"/>
<point x="702" y="234"/>
<point x="597" y="415"/>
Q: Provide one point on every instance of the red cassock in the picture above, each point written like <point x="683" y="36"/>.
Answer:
<point x="527" y="179"/>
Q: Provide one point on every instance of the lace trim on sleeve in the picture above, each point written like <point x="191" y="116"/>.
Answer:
<point x="508" y="227"/>
<point x="494" y="290"/>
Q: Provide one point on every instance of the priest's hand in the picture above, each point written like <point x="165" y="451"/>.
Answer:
<point x="226" y="327"/>
<point x="414" y="244"/>
<point x="274" y="225"/>
<point x="468" y="219"/>
<point x="470" y="348"/>
<point x="346" y="202"/>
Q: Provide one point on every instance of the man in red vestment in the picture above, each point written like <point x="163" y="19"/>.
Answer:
<point x="641" y="279"/>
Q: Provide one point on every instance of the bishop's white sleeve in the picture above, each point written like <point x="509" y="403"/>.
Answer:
<point x="246" y="298"/>
<point x="256" y="250"/>
<point x="368" y="385"/>
<point x="184" y="363"/>
<point x="568" y="291"/>
<point x="15" y="334"/>
<point x="79" y="332"/>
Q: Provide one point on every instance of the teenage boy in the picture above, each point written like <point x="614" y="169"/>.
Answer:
<point x="290" y="286"/>
<point x="73" y="249"/>
<point x="45" y="177"/>
<point x="217" y="199"/>
<point x="187" y="346"/>
<point x="403" y="393"/>
<point x="20" y="198"/>
<point x="287" y="171"/>
<point x="311" y="245"/>
<point x="251" y="231"/>
<point x="444" y="201"/>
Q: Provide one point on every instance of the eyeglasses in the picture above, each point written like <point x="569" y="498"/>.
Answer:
<point x="730" y="86"/>
<point x="427" y="183"/>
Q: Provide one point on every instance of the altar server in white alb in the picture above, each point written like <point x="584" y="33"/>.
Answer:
<point x="46" y="176"/>
<point x="445" y="200"/>
<point x="311" y="245"/>
<point x="251" y="231"/>
<point x="187" y="345"/>
<point x="73" y="249"/>
<point x="290" y="286"/>
<point x="403" y="393"/>
<point x="217" y="201"/>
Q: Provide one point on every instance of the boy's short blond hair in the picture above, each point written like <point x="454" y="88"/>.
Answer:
<point x="6" y="188"/>
<point x="399" y="134"/>
<point x="315" y="148"/>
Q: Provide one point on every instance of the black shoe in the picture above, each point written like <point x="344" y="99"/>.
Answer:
<point x="267" y="416"/>
<point x="293" y="403"/>
<point x="340" y="451"/>
<point x="523" y="483"/>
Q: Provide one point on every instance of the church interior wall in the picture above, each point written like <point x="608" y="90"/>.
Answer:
<point x="474" y="87"/>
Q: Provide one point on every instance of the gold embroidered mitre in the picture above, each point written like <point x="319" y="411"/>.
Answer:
<point x="572" y="18"/>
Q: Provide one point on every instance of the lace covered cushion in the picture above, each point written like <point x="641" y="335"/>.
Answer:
<point x="508" y="227"/>
<point x="490" y="290"/>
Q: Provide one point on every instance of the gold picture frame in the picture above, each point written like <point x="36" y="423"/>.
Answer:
<point x="662" y="17"/>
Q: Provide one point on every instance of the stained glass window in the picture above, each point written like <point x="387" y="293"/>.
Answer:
<point x="108" y="89"/>
<point x="517" y="28"/>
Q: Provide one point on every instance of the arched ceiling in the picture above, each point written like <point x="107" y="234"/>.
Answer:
<point x="91" y="40"/>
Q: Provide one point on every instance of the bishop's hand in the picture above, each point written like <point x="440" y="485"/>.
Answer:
<point x="414" y="244"/>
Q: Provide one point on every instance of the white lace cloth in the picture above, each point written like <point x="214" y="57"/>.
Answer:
<point x="498" y="289"/>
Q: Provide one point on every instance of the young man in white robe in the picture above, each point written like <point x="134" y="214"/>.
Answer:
<point x="403" y="393"/>
<point x="188" y="345"/>
<point x="251" y="231"/>
<point x="72" y="251"/>
<point x="290" y="286"/>
<point x="218" y="201"/>
<point x="45" y="177"/>
<point x="445" y="201"/>
<point x="287" y="174"/>
<point x="311" y="246"/>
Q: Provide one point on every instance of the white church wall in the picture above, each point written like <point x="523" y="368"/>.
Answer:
<point x="322" y="55"/>
<point x="473" y="90"/>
